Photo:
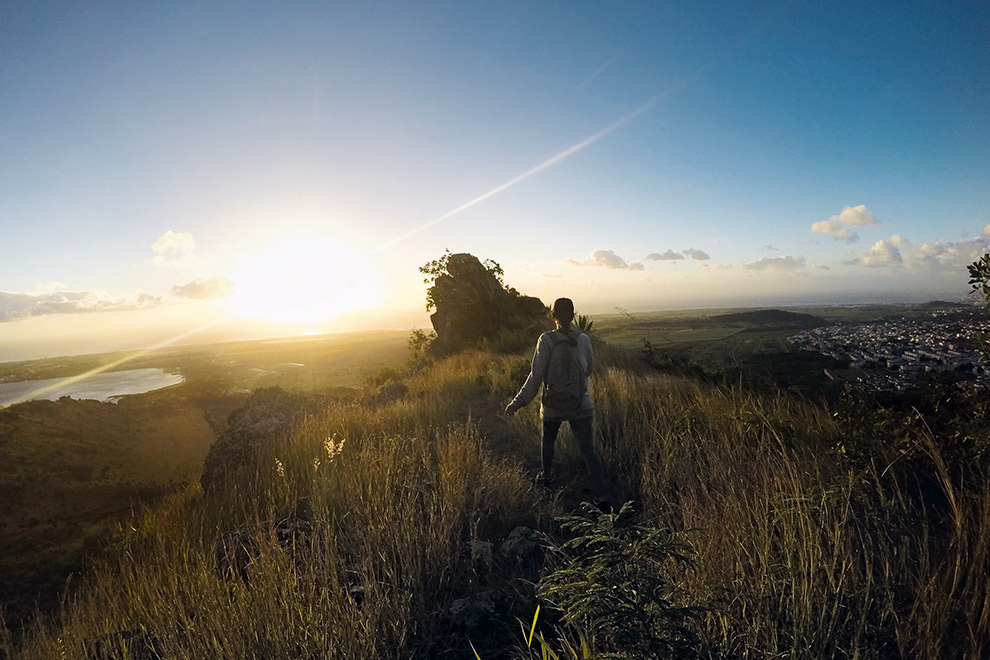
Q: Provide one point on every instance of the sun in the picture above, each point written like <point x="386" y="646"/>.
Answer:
<point x="302" y="279"/>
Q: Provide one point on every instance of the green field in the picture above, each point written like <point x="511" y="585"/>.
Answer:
<point x="757" y="352"/>
<point x="700" y="339"/>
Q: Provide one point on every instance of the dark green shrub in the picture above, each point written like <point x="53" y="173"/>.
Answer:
<point x="615" y="586"/>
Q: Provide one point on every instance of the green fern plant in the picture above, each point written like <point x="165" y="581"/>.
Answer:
<point x="979" y="277"/>
<point x="979" y="280"/>
<point x="584" y="324"/>
<point x="614" y="586"/>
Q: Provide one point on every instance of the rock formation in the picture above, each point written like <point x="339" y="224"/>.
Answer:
<point x="472" y="304"/>
<point x="269" y="414"/>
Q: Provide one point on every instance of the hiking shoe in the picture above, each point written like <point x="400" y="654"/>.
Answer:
<point x="544" y="481"/>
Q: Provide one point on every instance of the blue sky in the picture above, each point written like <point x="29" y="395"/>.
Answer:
<point x="165" y="166"/>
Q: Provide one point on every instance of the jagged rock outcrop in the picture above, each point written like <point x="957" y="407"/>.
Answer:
<point x="472" y="304"/>
<point x="269" y="414"/>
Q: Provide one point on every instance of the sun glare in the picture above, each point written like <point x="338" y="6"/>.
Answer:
<point x="302" y="279"/>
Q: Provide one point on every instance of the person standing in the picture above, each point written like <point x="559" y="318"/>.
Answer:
<point x="562" y="363"/>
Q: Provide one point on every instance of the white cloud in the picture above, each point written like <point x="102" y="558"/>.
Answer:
<point x="770" y="247"/>
<point x="951" y="255"/>
<point x="934" y="249"/>
<point x="837" y="225"/>
<point x="855" y="216"/>
<point x="835" y="230"/>
<point x="776" y="265"/>
<point x="607" y="259"/>
<point x="173" y="248"/>
<point x="943" y="256"/>
<point x="669" y="255"/>
<point x="880" y="255"/>
<point x="51" y="286"/>
<point x="218" y="287"/>
<point x="15" y="306"/>
<point x="700" y="255"/>
<point x="986" y="231"/>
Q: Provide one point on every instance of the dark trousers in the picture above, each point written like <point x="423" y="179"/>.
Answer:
<point x="583" y="431"/>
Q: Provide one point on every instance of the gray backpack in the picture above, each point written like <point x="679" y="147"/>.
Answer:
<point x="563" y="380"/>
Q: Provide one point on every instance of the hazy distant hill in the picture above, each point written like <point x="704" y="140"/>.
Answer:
<point x="775" y="317"/>
<point x="942" y="304"/>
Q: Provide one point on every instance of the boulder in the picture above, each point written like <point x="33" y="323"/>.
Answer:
<point x="482" y="558"/>
<point x="477" y="612"/>
<point x="270" y="414"/>
<point x="391" y="393"/>
<point x="522" y="549"/>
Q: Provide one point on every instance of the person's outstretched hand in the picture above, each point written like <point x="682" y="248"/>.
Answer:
<point x="510" y="410"/>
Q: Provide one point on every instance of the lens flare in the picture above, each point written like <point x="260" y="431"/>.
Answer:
<point x="550" y="162"/>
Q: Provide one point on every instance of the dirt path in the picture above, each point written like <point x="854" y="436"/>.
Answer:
<point x="505" y="438"/>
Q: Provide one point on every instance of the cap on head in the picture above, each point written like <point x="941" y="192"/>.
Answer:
<point x="563" y="310"/>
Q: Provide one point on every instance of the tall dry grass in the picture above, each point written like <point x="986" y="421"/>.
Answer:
<point x="391" y="496"/>
<point x="801" y="551"/>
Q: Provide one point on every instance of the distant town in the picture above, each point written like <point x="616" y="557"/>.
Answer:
<point x="892" y="355"/>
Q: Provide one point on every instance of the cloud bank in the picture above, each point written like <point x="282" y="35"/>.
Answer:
<point x="669" y="255"/>
<point x="881" y="254"/>
<point x="16" y="306"/>
<point x="940" y="255"/>
<point x="954" y="255"/>
<point x="218" y="287"/>
<point x="607" y="259"/>
<point x="776" y="265"/>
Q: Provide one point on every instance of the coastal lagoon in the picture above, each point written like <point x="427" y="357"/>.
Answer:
<point x="106" y="386"/>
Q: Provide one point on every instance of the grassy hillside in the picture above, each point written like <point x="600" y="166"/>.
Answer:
<point x="72" y="471"/>
<point x="814" y="533"/>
